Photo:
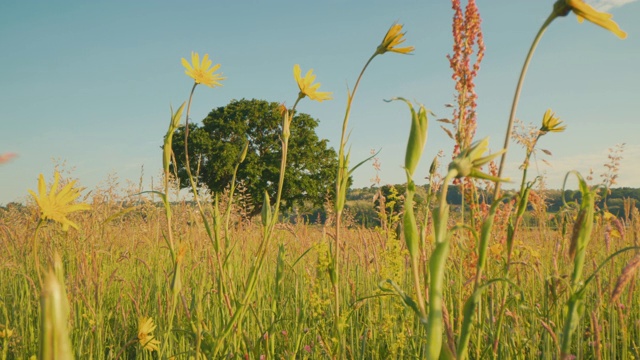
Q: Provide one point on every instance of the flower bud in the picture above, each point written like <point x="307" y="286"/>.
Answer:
<point x="54" y="337"/>
<point x="266" y="210"/>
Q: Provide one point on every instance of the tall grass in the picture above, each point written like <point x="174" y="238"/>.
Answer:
<point x="194" y="279"/>
<point x="116" y="272"/>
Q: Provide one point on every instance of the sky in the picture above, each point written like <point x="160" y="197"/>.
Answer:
<point x="88" y="86"/>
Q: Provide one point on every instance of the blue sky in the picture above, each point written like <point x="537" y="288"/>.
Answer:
<point x="90" y="83"/>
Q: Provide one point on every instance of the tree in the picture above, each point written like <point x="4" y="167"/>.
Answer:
<point x="216" y="145"/>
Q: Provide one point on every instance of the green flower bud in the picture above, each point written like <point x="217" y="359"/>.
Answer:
<point x="54" y="337"/>
<point x="266" y="210"/>
<point x="470" y="160"/>
<point x="417" y="137"/>
<point x="243" y="154"/>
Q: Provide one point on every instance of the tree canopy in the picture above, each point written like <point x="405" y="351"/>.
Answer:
<point x="216" y="145"/>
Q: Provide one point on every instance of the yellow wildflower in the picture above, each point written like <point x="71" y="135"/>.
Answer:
<point x="585" y="11"/>
<point x="534" y="253"/>
<point x="57" y="205"/>
<point x="496" y="249"/>
<point x="202" y="72"/>
<point x="550" y="123"/>
<point x="431" y="238"/>
<point x="145" y="328"/>
<point x="393" y="38"/>
<point x="6" y="333"/>
<point x="307" y="87"/>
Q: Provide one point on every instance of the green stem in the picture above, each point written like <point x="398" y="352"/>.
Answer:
<point x="423" y="233"/>
<point x="283" y="166"/>
<point x="168" y="212"/>
<point x="411" y="236"/>
<point x="345" y="122"/>
<point x="512" y="116"/>
<point x="437" y="264"/>
<point x="262" y="249"/>
<point x="227" y="215"/>
<point x="516" y="97"/>
<point x="520" y="208"/>
<point x="123" y="348"/>
<point x="216" y="241"/>
<point x="342" y="178"/>
<point x="186" y="151"/>
<point x="36" y="256"/>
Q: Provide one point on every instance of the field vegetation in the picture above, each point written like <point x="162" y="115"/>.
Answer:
<point x="134" y="273"/>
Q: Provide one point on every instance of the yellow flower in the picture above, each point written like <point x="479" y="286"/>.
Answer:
<point x="145" y="328"/>
<point x="550" y="123"/>
<point x="585" y="11"/>
<point x="431" y="238"/>
<point x="393" y="38"/>
<point x="6" y="333"/>
<point x="307" y="87"/>
<point x="496" y="249"/>
<point x="202" y="73"/>
<point x="57" y="205"/>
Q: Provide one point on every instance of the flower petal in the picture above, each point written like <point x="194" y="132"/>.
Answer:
<point x="602" y="19"/>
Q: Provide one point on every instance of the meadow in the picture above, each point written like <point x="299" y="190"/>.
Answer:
<point x="117" y="270"/>
<point x="128" y="273"/>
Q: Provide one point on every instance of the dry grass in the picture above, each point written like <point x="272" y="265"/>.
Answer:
<point x="118" y="271"/>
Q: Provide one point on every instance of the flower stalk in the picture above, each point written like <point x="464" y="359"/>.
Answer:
<point x="390" y="42"/>
<point x="269" y="218"/>
<point x="560" y="8"/>
<point x="466" y="164"/>
<point x="516" y="98"/>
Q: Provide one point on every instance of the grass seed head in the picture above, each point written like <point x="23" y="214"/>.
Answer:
<point x="625" y="278"/>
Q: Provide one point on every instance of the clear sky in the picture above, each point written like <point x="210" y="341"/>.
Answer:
<point x="90" y="83"/>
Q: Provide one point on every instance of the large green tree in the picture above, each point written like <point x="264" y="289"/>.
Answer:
<point x="216" y="145"/>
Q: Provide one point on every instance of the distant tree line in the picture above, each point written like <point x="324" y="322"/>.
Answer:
<point x="364" y="209"/>
<point x="614" y="199"/>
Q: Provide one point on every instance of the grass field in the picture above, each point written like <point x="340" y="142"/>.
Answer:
<point x="118" y="270"/>
<point x="144" y="275"/>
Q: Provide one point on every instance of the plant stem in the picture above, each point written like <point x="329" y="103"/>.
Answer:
<point x="262" y="249"/>
<point x="122" y="349"/>
<point x="516" y="98"/>
<point x="168" y="213"/>
<point x="341" y="182"/>
<point x="36" y="256"/>
<point x="436" y="269"/>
